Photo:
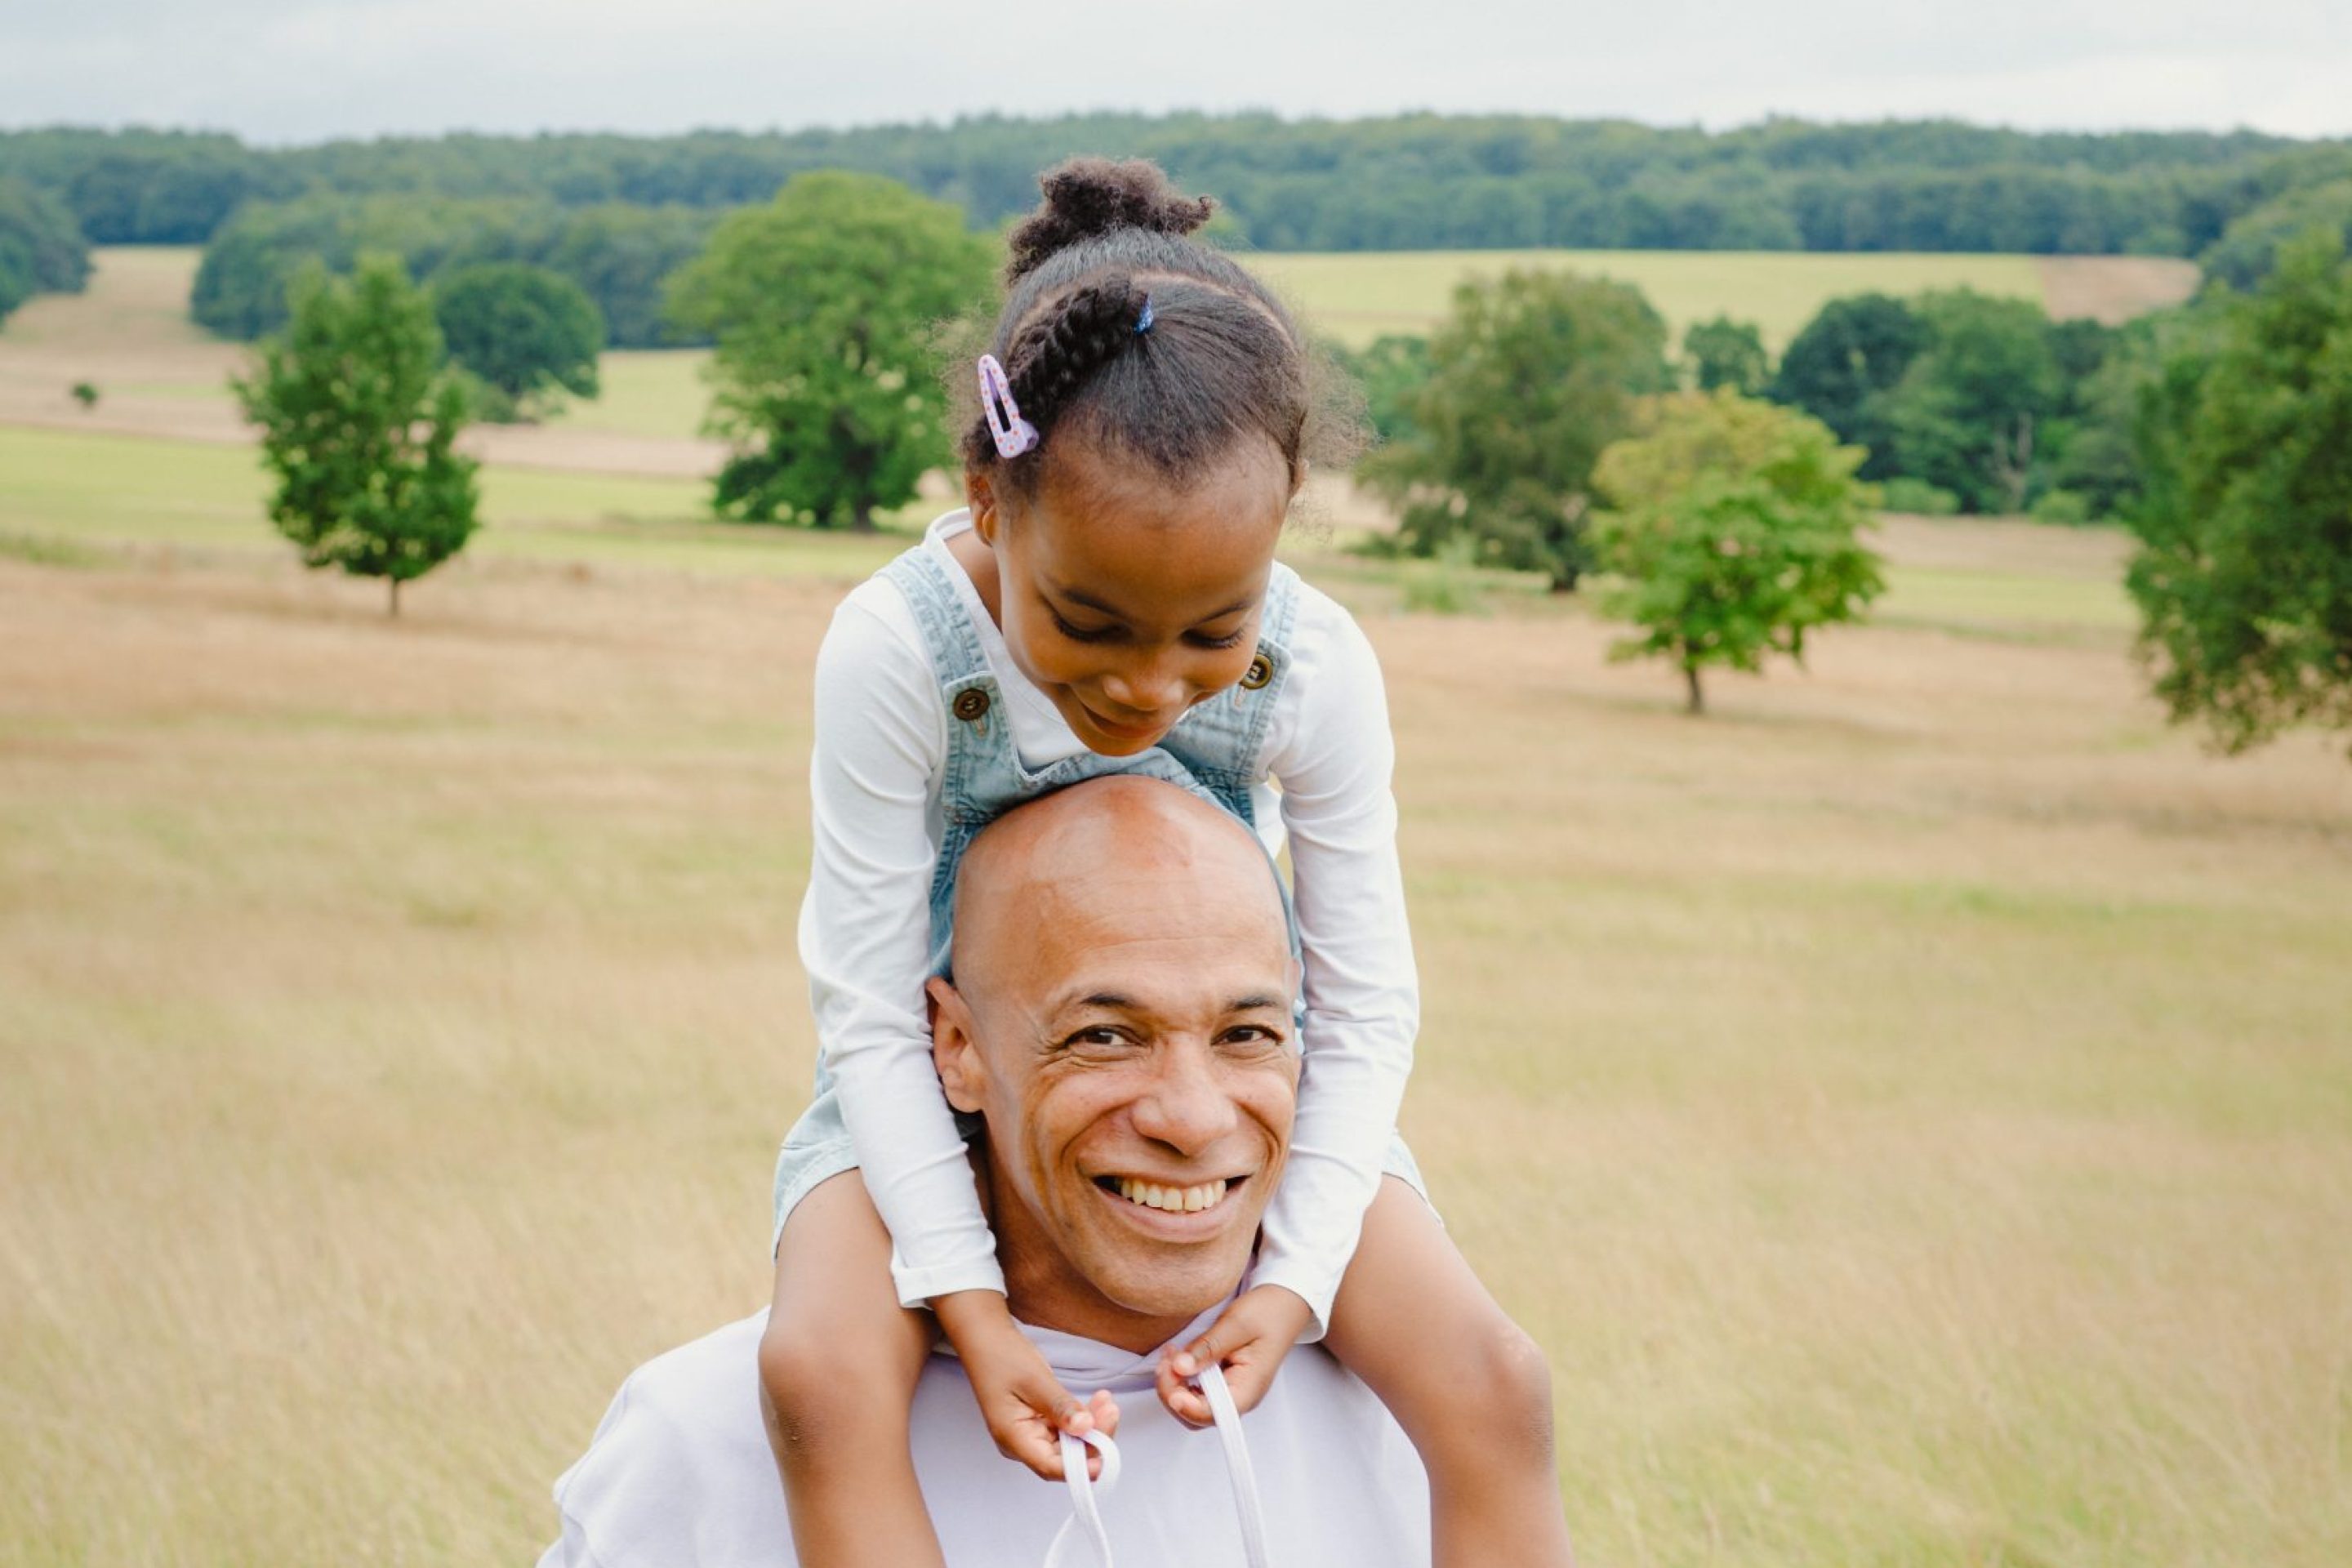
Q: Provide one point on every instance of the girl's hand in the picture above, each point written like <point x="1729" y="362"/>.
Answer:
<point x="1024" y="1405"/>
<point x="1249" y="1340"/>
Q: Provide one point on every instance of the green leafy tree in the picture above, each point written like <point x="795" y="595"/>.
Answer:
<point x="1532" y="375"/>
<point x="2250" y="247"/>
<point x="620" y="256"/>
<point x="2245" y="577"/>
<point x="41" y="251"/>
<point x="528" y="333"/>
<point x="2100" y="459"/>
<point x="1733" y="531"/>
<point x="1391" y="372"/>
<point x="359" y="423"/>
<point x="1840" y="368"/>
<point x="1725" y="353"/>
<point x="823" y="304"/>
<point x="1974" y="411"/>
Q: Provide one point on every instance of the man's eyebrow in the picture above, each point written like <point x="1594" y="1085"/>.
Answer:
<point x="1108" y="1001"/>
<point x="1085" y="600"/>
<point x="1118" y="1002"/>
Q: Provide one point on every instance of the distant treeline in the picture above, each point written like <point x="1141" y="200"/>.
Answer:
<point x="617" y="215"/>
<point x="620" y="255"/>
<point x="40" y="251"/>
<point x="1415" y="182"/>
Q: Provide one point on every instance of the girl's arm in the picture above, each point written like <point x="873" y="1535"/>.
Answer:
<point x="864" y="940"/>
<point x="881" y="739"/>
<point x="1334" y="761"/>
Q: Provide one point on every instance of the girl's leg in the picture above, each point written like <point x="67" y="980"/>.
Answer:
<point x="838" y="1370"/>
<point x="1465" y="1381"/>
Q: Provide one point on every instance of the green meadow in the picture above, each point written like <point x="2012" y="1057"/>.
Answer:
<point x="1912" y="1106"/>
<point x="131" y="335"/>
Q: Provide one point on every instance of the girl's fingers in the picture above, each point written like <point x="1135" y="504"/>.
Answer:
<point x="1057" y="1405"/>
<point x="1182" y="1401"/>
<point x="1105" y="1410"/>
<point x="1209" y="1350"/>
<point x="1035" y="1446"/>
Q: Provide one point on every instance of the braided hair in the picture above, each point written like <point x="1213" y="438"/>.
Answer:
<point x="1222" y="358"/>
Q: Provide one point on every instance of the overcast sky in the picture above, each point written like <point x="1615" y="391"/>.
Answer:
<point x="303" y="70"/>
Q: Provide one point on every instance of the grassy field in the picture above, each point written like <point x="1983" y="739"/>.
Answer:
<point x="1356" y="298"/>
<point x="1913" y="1106"/>
<point x="144" y="493"/>
<point x="161" y="376"/>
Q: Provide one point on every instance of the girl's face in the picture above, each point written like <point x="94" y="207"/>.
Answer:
<point x="1127" y="602"/>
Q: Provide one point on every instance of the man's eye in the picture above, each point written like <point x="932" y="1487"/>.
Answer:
<point x="1254" y="1037"/>
<point x="1103" y="1036"/>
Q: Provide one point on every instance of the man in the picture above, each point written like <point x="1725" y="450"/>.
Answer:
<point x="1120" y="1019"/>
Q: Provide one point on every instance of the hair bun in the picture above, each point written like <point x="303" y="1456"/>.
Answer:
<point x="1085" y="197"/>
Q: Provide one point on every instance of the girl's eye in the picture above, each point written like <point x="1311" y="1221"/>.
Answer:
<point x="1233" y="640"/>
<point x="1081" y="633"/>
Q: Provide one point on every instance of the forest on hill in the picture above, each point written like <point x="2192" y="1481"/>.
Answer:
<point x="1408" y="182"/>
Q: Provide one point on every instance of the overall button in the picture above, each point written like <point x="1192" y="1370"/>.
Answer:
<point x="971" y="705"/>
<point x="1261" y="670"/>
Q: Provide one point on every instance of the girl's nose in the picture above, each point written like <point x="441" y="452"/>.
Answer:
<point x="1150" y="689"/>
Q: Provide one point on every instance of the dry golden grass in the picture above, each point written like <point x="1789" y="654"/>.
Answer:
<point x="1913" y="1106"/>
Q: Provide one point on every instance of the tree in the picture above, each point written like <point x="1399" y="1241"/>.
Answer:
<point x="1531" y="376"/>
<point x="823" y="305"/>
<point x="41" y="251"/>
<point x="1974" y="410"/>
<point x="2250" y="247"/>
<point x="1725" y="353"/>
<point x="1840" y="368"/>
<point x="528" y="333"/>
<point x="1733" y="530"/>
<point x="620" y="257"/>
<point x="359" y="422"/>
<point x="1391" y="370"/>
<point x="2244" y="574"/>
<point x="2100" y="459"/>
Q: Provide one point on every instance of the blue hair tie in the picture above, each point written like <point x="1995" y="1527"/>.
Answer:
<point x="1143" y="321"/>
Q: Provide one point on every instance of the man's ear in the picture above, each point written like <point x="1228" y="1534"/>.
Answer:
<point x="980" y="494"/>
<point x="955" y="1045"/>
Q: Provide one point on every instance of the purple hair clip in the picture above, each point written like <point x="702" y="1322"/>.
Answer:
<point x="1013" y="434"/>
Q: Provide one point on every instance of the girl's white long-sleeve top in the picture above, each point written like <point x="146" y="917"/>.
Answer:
<point x="881" y="743"/>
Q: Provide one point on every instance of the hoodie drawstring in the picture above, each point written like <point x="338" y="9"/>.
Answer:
<point x="1085" y="1514"/>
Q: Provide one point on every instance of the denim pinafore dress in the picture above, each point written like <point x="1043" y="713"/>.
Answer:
<point x="1212" y="752"/>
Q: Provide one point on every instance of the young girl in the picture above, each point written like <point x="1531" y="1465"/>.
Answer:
<point x="1110" y="601"/>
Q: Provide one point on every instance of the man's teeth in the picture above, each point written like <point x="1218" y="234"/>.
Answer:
<point x="1175" y="1200"/>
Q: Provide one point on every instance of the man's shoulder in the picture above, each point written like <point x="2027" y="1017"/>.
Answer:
<point x="680" y="1475"/>
<point x="680" y="1470"/>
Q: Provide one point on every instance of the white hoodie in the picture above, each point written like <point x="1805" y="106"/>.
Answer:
<point x="679" y="1474"/>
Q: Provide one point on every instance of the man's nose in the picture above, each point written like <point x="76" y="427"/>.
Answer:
<point x="1186" y="1105"/>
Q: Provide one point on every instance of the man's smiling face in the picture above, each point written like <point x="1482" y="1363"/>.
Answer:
<point x="1122" y="1018"/>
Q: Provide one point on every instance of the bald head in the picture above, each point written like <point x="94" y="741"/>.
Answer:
<point x="1105" y="852"/>
<point x="1121" y="1019"/>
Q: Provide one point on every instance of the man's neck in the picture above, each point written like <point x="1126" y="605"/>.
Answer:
<point x="1076" y="1308"/>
